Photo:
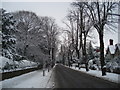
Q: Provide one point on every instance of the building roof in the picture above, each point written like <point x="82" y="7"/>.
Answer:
<point x="118" y="45"/>
<point x="112" y="49"/>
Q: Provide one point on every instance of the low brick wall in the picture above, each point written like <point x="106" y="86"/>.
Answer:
<point x="7" y="75"/>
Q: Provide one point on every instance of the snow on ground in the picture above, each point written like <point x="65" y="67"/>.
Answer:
<point x="33" y="79"/>
<point x="110" y="76"/>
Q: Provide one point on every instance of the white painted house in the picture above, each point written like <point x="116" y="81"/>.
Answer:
<point x="113" y="51"/>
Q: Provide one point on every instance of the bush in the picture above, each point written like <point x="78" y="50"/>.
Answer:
<point x="40" y="66"/>
<point x="82" y="65"/>
<point x="117" y="70"/>
<point x="8" y="66"/>
<point x="112" y="67"/>
<point x="93" y="67"/>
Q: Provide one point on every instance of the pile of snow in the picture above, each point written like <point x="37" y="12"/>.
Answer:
<point x="3" y="61"/>
<point x="90" y="63"/>
<point x="10" y="65"/>
<point x="94" y="64"/>
<point x="75" y="64"/>
<point x="26" y="63"/>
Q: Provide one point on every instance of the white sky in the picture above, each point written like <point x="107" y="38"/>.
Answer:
<point x="57" y="9"/>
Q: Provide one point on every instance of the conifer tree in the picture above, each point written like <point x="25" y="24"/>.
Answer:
<point x="8" y="37"/>
<point x="90" y="51"/>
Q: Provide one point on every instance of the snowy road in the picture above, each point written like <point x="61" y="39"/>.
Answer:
<point x="33" y="79"/>
<point x="63" y="77"/>
<point x="69" y="78"/>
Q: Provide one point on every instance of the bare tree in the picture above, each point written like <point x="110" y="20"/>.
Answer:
<point x="51" y="31"/>
<point x="100" y="13"/>
<point x="30" y="35"/>
<point x="76" y="28"/>
<point x="71" y="35"/>
<point x="83" y="25"/>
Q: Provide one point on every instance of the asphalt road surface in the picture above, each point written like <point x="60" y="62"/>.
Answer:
<point x="69" y="78"/>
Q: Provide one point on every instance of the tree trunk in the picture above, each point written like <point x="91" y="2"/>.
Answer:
<point x="68" y="59"/>
<point x="102" y="52"/>
<point x="77" y="50"/>
<point x="63" y="59"/>
<point x="81" y="27"/>
<point x="25" y="50"/>
<point x="85" y="55"/>
<point x="76" y="46"/>
<point x="53" y="56"/>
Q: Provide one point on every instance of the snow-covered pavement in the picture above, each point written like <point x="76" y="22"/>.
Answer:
<point x="33" y="79"/>
<point x="110" y="76"/>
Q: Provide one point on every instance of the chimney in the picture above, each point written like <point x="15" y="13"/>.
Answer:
<point x="111" y="41"/>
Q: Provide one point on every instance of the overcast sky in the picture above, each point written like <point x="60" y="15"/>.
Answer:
<point x="57" y="10"/>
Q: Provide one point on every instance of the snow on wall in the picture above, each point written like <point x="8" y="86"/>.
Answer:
<point x="20" y="65"/>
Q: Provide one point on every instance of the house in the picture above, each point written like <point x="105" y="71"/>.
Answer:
<point x="113" y="51"/>
<point x="117" y="50"/>
<point x="110" y="52"/>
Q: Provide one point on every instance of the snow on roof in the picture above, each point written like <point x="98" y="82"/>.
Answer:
<point x="118" y="45"/>
<point x="111" y="49"/>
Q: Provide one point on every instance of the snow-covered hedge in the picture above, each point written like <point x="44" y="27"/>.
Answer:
<point x="26" y="63"/>
<point x="10" y="65"/>
<point x="94" y="64"/>
<point x="4" y="62"/>
<point x="114" y="65"/>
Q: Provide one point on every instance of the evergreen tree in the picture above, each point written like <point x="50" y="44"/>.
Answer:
<point x="90" y="51"/>
<point x="8" y="37"/>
